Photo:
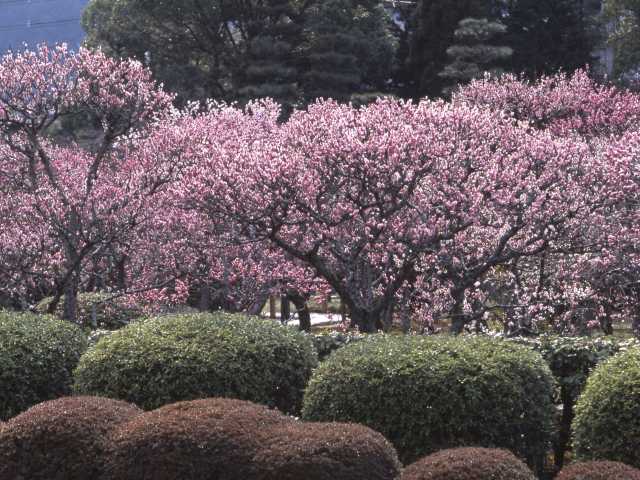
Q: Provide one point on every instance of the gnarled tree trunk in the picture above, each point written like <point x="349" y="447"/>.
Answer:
<point x="304" y="316"/>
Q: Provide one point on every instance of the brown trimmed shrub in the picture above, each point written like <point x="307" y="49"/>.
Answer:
<point x="213" y="438"/>
<point x="599" y="470"/>
<point x="469" y="463"/>
<point x="228" y="439"/>
<point x="61" y="439"/>
<point x="327" y="451"/>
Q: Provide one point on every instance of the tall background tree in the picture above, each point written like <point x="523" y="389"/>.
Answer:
<point x="348" y="49"/>
<point x="545" y="35"/>
<point x="622" y="20"/>
<point x="270" y="65"/>
<point x="187" y="44"/>
<point x="550" y="35"/>
<point x="432" y="28"/>
<point x="473" y="54"/>
<point x="291" y="50"/>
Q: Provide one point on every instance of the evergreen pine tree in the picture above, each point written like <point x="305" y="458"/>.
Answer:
<point x="550" y="35"/>
<point x="432" y="31"/>
<point x="348" y="49"/>
<point x="472" y="55"/>
<point x="270" y="69"/>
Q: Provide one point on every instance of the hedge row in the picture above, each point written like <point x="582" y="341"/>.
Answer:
<point x="153" y="362"/>
<point x="602" y="470"/>
<point x="427" y="394"/>
<point x="37" y="357"/>
<point x="158" y="361"/>
<point x="571" y="360"/>
<point x="424" y="394"/>
<point x="210" y="439"/>
<point x="469" y="464"/>
<point x="398" y="386"/>
<point x="607" y="421"/>
<point x="328" y="342"/>
<point x="63" y="439"/>
<point x="75" y="438"/>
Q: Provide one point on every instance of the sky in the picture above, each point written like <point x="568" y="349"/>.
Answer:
<point x="37" y="21"/>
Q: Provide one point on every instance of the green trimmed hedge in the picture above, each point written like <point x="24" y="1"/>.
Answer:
<point x="110" y="313"/>
<point x="327" y="342"/>
<point x="426" y="394"/>
<point x="162" y="360"/>
<point x="571" y="360"/>
<point x="607" y="419"/>
<point x="37" y="356"/>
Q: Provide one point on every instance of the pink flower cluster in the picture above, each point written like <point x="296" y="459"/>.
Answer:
<point x="515" y="201"/>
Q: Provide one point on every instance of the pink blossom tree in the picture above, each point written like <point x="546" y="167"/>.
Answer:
<point x="64" y="209"/>
<point x="562" y="104"/>
<point x="383" y="199"/>
<point x="590" y="275"/>
<point x="214" y="261"/>
<point x="514" y="197"/>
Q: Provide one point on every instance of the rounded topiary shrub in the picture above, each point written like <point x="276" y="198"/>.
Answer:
<point x="571" y="360"/>
<point x="327" y="451"/>
<point x="430" y="393"/>
<point x="602" y="470"/>
<point x="98" y="310"/>
<point x="327" y="342"/>
<point x="469" y="463"/>
<point x="217" y="438"/>
<point x="607" y="421"/>
<point x="61" y="439"/>
<point x="37" y="356"/>
<point x="197" y="440"/>
<point x="162" y="360"/>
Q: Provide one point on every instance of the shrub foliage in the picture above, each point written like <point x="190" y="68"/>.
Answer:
<point x="602" y="470"/>
<point x="571" y="360"/>
<point x="427" y="394"/>
<point x="326" y="451"/>
<point x="201" y="439"/>
<point x="37" y="356"/>
<point x="607" y="420"/>
<point x="469" y="464"/>
<point x="97" y="310"/>
<point x="230" y="439"/>
<point x="162" y="360"/>
<point x="328" y="342"/>
<point x="61" y="439"/>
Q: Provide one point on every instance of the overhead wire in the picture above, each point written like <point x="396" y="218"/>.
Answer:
<point x="23" y="2"/>
<point x="31" y="25"/>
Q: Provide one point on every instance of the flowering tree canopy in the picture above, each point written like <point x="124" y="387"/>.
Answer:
<point x="64" y="207"/>
<point x="515" y="198"/>
<point x="381" y="200"/>
<point x="593" y="273"/>
<point x="562" y="104"/>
